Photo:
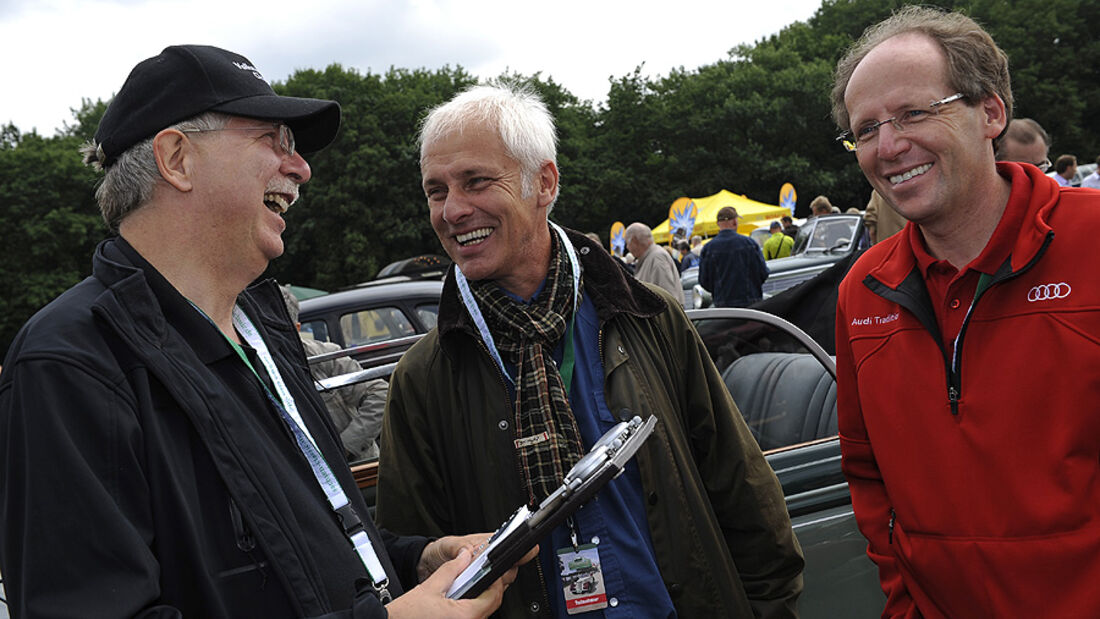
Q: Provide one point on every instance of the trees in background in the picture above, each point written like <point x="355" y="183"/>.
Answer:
<point x="748" y="123"/>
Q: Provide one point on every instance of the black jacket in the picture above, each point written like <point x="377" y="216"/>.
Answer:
<point x="732" y="268"/>
<point x="146" y="474"/>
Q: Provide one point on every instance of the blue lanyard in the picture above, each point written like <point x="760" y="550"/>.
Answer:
<point x="483" y="328"/>
<point x="288" y="410"/>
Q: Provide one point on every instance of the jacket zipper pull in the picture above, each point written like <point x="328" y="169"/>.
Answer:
<point x="893" y="517"/>
<point x="953" y="397"/>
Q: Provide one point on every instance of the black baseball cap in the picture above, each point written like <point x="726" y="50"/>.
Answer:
<point x="188" y="80"/>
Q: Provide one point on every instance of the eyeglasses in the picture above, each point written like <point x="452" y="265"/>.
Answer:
<point x="1044" y="165"/>
<point x="903" y="122"/>
<point x="282" y="136"/>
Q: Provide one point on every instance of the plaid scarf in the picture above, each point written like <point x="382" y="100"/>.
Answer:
<point x="548" y="442"/>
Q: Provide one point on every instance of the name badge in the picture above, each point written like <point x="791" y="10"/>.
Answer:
<point x="582" y="579"/>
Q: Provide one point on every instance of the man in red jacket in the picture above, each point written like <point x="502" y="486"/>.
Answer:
<point x="972" y="460"/>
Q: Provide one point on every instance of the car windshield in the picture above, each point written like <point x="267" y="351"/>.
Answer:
<point x="825" y="234"/>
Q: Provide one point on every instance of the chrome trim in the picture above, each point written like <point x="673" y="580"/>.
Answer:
<point x="744" y="313"/>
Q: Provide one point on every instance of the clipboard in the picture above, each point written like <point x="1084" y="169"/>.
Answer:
<point x="525" y="528"/>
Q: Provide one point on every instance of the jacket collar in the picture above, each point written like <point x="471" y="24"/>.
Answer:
<point x="151" y="303"/>
<point x="610" y="287"/>
<point x="1041" y="193"/>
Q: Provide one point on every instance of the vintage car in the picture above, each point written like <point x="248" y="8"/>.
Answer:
<point x="820" y="243"/>
<point x="372" y="314"/>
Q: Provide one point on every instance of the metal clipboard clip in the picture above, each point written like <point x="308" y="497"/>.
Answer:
<point x="604" y="462"/>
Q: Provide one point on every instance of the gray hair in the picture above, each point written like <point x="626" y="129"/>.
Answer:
<point x="976" y="67"/>
<point x="522" y="121"/>
<point x="638" y="232"/>
<point x="128" y="182"/>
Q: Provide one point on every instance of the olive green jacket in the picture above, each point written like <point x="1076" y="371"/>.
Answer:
<point x="719" y="525"/>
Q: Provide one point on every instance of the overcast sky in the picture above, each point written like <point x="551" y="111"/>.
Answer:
<point x="54" y="52"/>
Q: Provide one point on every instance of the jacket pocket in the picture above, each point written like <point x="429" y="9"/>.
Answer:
<point x="246" y="543"/>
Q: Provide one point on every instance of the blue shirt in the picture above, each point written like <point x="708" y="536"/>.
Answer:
<point x="689" y="260"/>
<point x="617" y="516"/>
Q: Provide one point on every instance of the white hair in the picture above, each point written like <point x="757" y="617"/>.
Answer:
<point x="521" y="120"/>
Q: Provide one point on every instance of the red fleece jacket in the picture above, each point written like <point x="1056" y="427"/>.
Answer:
<point x="975" y="477"/>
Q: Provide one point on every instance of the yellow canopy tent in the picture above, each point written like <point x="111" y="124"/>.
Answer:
<point x="706" y="224"/>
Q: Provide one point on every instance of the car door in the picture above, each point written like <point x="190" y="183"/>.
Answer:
<point x="784" y="383"/>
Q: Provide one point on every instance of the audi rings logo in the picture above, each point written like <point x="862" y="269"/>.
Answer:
<point x="1049" y="292"/>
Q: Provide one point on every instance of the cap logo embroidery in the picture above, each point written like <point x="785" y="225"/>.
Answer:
<point x="244" y="66"/>
<point x="1049" y="292"/>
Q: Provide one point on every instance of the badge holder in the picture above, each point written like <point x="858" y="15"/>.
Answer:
<point x="525" y="528"/>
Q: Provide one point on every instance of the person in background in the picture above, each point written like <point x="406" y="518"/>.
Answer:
<point x="164" y="451"/>
<point x="821" y="206"/>
<point x="973" y="503"/>
<point x="1025" y="141"/>
<point x="688" y="258"/>
<point x="356" y="410"/>
<point x="696" y="244"/>
<point x="778" y="245"/>
<point x="1065" y="168"/>
<point x="1092" y="181"/>
<point x="653" y="264"/>
<point x="732" y="265"/>
<point x="880" y="219"/>
<point x="789" y="227"/>
<point x="485" y="415"/>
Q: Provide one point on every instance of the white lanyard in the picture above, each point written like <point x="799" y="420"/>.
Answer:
<point x="479" y="320"/>
<point x="321" y="470"/>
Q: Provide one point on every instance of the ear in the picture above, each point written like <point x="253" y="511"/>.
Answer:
<point x="174" y="152"/>
<point x="547" y="183"/>
<point x="996" y="117"/>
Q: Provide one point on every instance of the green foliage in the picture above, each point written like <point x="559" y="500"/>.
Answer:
<point x="50" y="220"/>
<point x="365" y="208"/>
<point x="748" y="122"/>
<point x="87" y="119"/>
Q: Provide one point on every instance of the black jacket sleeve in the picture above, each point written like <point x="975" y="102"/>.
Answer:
<point x="71" y="455"/>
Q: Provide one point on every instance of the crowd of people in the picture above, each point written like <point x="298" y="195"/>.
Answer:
<point x="164" y="411"/>
<point x="734" y="264"/>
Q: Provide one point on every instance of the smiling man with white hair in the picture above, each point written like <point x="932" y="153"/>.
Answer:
<point x="972" y="463"/>
<point x="543" y="344"/>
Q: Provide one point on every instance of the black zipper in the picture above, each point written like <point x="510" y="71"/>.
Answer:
<point x="893" y="519"/>
<point x="241" y="534"/>
<point x="911" y="298"/>
<point x="247" y="544"/>
<point x="954" y="371"/>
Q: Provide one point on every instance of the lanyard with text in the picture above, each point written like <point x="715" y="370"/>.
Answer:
<point x="321" y="470"/>
<point x="483" y="328"/>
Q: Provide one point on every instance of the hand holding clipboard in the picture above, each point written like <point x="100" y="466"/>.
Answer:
<point x="525" y="528"/>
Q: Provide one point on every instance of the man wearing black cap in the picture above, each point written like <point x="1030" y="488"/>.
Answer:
<point x="164" y="452"/>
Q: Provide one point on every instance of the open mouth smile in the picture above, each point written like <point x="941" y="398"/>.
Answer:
<point x="474" y="237"/>
<point x="917" y="171"/>
<point x="277" y="202"/>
